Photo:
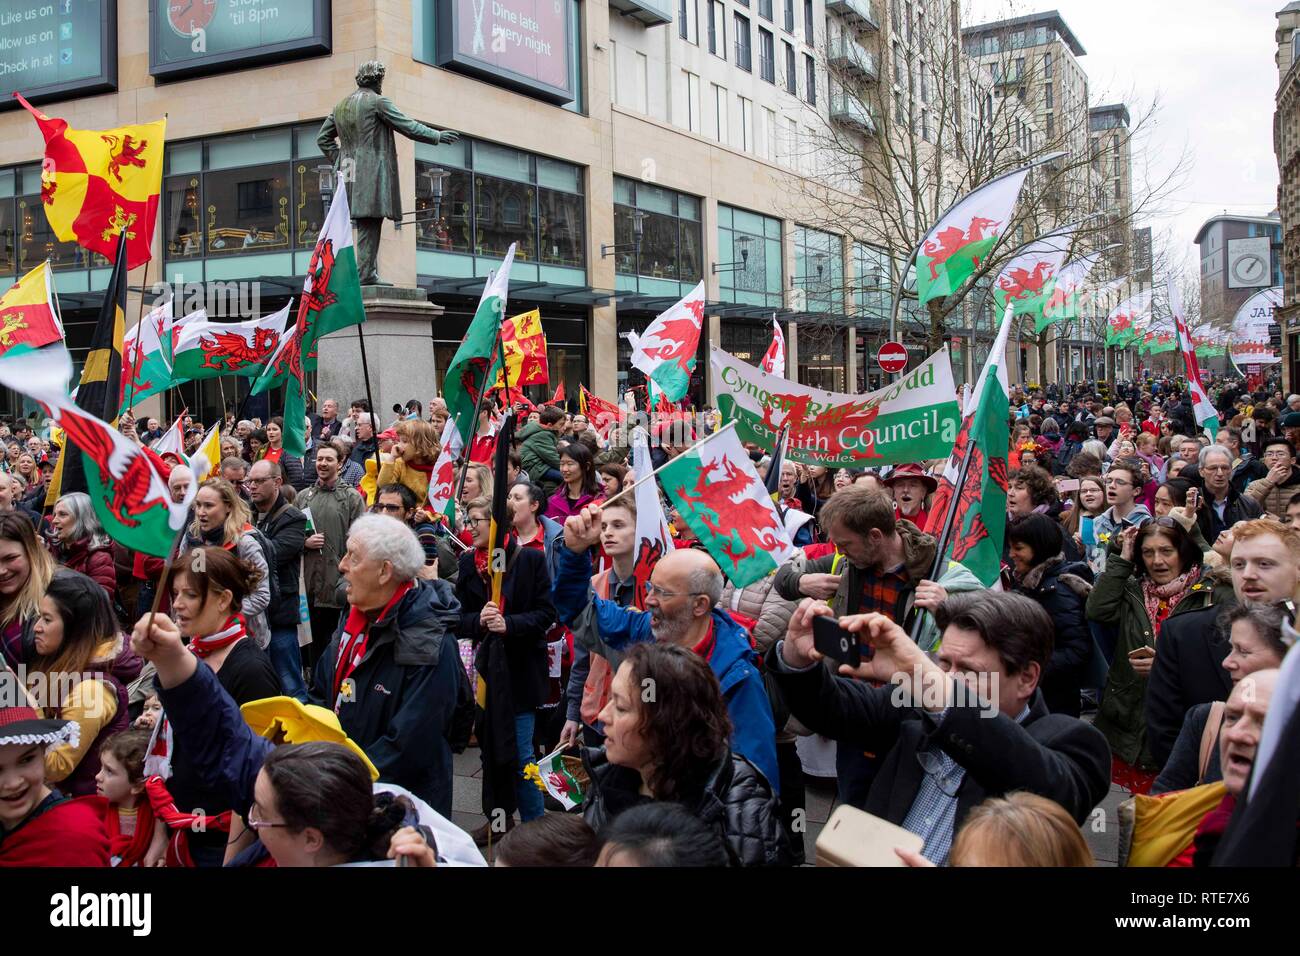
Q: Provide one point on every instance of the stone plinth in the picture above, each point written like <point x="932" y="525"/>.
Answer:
<point x="399" y="349"/>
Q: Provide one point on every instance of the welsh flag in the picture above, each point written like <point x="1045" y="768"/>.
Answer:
<point x="1029" y="279"/>
<point x="653" y="539"/>
<point x="774" y="359"/>
<point x="206" y="349"/>
<point x="285" y="367"/>
<point x="331" y="291"/>
<point x="1064" y="300"/>
<point x="173" y="439"/>
<point x="127" y="484"/>
<point x="954" y="248"/>
<point x="478" y="360"/>
<point x="147" y="356"/>
<point x="1202" y="407"/>
<point x="563" y="777"/>
<point x="716" y="489"/>
<point x="666" y="350"/>
<point x="1122" y="323"/>
<point x="29" y="317"/>
<point x="442" y="484"/>
<point x="980" y="510"/>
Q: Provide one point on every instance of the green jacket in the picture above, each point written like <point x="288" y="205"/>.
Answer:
<point x="332" y="512"/>
<point x="1116" y="599"/>
<point x="539" y="450"/>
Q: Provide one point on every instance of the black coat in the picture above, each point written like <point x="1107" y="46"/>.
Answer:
<point x="1239" y="508"/>
<point x="1188" y="671"/>
<point x="406" y="689"/>
<point x="1058" y="757"/>
<point x="529" y="614"/>
<point x="286" y="527"/>
<point x="737" y="802"/>
<point x="1062" y="589"/>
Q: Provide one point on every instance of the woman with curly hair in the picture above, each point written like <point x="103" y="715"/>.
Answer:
<point x="1031" y="490"/>
<point x="673" y="745"/>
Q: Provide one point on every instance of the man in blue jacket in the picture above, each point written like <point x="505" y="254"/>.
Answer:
<point x="683" y="590"/>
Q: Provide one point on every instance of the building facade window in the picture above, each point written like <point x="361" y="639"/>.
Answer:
<point x="717" y="29"/>
<point x="810" y="79"/>
<point x="819" y="269"/>
<point x="760" y="281"/>
<point x="791" y="73"/>
<point x="692" y="102"/>
<point x="251" y="194"/>
<point x="746" y="124"/>
<point x="766" y="55"/>
<point x="789" y="17"/>
<point x="670" y="252"/>
<point x="493" y="196"/>
<point x="765" y="10"/>
<point x="744" y="53"/>
<point x="809" y="36"/>
<point x="720" y="122"/>
<point x="688" y="21"/>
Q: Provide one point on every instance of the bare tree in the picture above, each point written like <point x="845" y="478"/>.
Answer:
<point x="913" y="129"/>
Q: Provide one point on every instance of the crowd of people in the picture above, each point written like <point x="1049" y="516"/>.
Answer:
<point x="294" y="688"/>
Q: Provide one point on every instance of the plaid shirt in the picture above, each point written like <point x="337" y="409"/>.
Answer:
<point x="933" y="812"/>
<point x="881" y="591"/>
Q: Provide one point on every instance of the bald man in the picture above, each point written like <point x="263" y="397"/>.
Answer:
<point x="680" y="600"/>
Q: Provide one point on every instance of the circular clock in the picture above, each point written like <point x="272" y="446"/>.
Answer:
<point x="187" y="16"/>
<point x="1250" y="269"/>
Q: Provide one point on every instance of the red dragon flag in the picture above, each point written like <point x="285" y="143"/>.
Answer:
<point x="147" y="356"/>
<point x="29" y="318"/>
<point x="666" y="350"/>
<point x="442" y="484"/>
<point x="285" y="367"/>
<point x="653" y="539"/>
<point x="127" y="484"/>
<point x="97" y="183"/>
<point x="954" y="248"/>
<point x="975" y="515"/>
<point x="1123" y="320"/>
<point x="206" y="349"/>
<point x="1029" y="279"/>
<point x="774" y="359"/>
<point x="1206" y="415"/>
<point x="719" y="494"/>
<point x="602" y="414"/>
<point x="1064" y="301"/>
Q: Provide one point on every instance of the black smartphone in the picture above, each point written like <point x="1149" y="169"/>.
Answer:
<point x="836" y="643"/>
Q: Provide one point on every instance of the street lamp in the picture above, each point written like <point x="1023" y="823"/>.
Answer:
<point x="325" y="172"/>
<point x="638" y="232"/>
<point x="742" y="244"/>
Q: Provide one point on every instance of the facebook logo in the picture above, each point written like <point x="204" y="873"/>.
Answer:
<point x="65" y="7"/>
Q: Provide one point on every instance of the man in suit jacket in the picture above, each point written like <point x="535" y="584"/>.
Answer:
<point x="948" y="743"/>
<point x="1189" y="655"/>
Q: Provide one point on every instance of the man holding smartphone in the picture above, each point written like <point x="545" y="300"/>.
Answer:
<point x="951" y="732"/>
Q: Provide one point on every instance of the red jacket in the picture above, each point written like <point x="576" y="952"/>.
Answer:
<point x="96" y="563"/>
<point x="61" y="832"/>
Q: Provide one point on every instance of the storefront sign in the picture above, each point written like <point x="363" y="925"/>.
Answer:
<point x="56" y="49"/>
<point x="194" y="37"/>
<point x="524" y="44"/>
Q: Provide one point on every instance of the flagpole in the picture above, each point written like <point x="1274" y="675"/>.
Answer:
<point x="478" y="404"/>
<point x="370" y="400"/>
<point x="641" y="480"/>
<point x="144" y="284"/>
<point x="946" y="533"/>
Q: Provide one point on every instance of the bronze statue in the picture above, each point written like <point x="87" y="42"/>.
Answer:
<point x="366" y="156"/>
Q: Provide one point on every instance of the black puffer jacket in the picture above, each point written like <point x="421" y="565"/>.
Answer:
<point x="1062" y="588"/>
<point x="737" y="802"/>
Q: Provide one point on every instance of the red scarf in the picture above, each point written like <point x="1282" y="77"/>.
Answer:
<point x="232" y="631"/>
<point x="352" y="642"/>
<point x="707" y="643"/>
<point x="129" y="849"/>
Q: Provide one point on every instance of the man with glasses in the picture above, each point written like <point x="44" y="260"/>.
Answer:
<point x="235" y="470"/>
<point x="680" y="608"/>
<point x="1123" y="485"/>
<point x="398" y="501"/>
<point x="1222" y="506"/>
<point x="1276" y="489"/>
<point x="953" y="731"/>
<point x="285" y="526"/>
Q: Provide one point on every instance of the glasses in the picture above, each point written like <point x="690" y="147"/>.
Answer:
<point x="1116" y="483"/>
<point x="256" y="823"/>
<point x="654" y="590"/>
<point x="258" y="481"/>
<point x="1215" y="468"/>
<point x="475" y="522"/>
<point x="392" y="509"/>
<point x="932" y="763"/>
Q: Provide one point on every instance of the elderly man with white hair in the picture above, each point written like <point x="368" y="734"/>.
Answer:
<point x="392" y="671"/>
<point x="1223" y="505"/>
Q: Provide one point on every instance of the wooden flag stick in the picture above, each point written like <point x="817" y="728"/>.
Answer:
<point x="640" y="479"/>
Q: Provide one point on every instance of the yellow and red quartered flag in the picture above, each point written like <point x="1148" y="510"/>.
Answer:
<point x="97" y="183"/>
<point x="28" y="318"/>
<point x="525" y="351"/>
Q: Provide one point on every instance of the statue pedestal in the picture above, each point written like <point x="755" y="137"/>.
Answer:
<point x="399" y="349"/>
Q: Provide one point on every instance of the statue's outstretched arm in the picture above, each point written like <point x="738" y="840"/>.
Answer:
<point x="410" y="128"/>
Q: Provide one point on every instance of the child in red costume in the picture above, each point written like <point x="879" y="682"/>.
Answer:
<point x="136" y="836"/>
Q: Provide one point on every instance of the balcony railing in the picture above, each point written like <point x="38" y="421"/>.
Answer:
<point x="850" y="111"/>
<point x="860" y="13"/>
<point x="849" y="55"/>
<point x="649" y="12"/>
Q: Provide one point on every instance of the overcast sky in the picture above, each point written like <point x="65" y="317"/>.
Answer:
<point x="1211" y="64"/>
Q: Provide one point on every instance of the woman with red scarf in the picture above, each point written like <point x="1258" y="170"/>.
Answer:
<point x="208" y="588"/>
<point x="1155" y="574"/>
<point x="39" y="826"/>
<point x="510" y="657"/>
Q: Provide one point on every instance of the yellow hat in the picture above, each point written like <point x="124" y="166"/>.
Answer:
<point x="289" y="720"/>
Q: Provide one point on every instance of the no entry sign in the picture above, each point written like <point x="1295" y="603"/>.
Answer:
<point x="892" y="357"/>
